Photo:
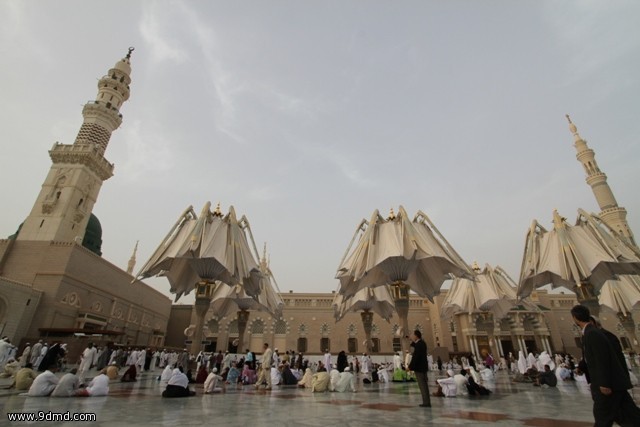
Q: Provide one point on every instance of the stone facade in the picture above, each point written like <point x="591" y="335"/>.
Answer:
<point x="308" y="325"/>
<point x="72" y="290"/>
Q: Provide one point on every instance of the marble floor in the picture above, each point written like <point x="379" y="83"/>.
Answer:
<point x="140" y="404"/>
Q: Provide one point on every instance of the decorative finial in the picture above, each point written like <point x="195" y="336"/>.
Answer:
<point x="572" y="127"/>
<point x="558" y="221"/>
<point x="475" y="266"/>
<point x="218" y="211"/>
<point x="131" y="49"/>
<point x="392" y="215"/>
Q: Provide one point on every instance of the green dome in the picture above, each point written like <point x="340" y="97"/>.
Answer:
<point x="93" y="235"/>
<point x="15" y="235"/>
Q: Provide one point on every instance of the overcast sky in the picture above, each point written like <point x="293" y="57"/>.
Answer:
<point x="308" y="115"/>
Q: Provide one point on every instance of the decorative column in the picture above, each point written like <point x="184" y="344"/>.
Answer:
<point x="400" y="293"/>
<point x="243" y="318"/>
<point x="204" y="291"/>
<point x="367" y="323"/>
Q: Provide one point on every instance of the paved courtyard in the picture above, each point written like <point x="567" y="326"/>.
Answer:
<point x="138" y="404"/>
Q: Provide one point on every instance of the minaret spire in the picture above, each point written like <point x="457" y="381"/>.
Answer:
<point x="132" y="261"/>
<point x="65" y="203"/>
<point x="612" y="214"/>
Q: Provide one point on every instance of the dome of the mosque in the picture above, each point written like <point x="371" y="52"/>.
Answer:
<point x="93" y="235"/>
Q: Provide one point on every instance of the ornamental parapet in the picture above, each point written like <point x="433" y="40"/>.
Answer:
<point x="83" y="154"/>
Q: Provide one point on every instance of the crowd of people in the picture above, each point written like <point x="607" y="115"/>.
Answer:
<point x="216" y="372"/>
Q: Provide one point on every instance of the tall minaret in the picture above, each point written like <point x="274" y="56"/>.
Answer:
<point x="132" y="261"/>
<point x="71" y="188"/>
<point x="612" y="214"/>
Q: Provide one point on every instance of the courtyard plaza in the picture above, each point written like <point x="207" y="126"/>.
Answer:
<point x="140" y="404"/>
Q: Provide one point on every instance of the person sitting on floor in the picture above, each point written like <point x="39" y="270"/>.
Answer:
<point x="24" y="378"/>
<point x="212" y="381"/>
<point x="320" y="381"/>
<point x="307" y="379"/>
<point x="129" y="375"/>
<point x="346" y="382"/>
<point x="44" y="383"/>
<point x="68" y="385"/>
<point x="178" y="385"/>
<point x="112" y="371"/>
<point x="10" y="368"/>
<point x="547" y="377"/>
<point x="476" y="389"/>
<point x="446" y="386"/>
<point x="99" y="386"/>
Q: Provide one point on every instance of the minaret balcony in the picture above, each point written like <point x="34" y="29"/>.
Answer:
<point x="84" y="154"/>
<point x="99" y="109"/>
<point x="596" y="177"/>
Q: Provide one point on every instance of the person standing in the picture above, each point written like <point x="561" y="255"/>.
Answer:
<point x="87" y="360"/>
<point x="267" y="360"/>
<point x="327" y="359"/>
<point x="609" y="380"/>
<point x="420" y="366"/>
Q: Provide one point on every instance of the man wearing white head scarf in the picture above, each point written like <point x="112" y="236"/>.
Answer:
<point x="334" y="377"/>
<point x="346" y="382"/>
<point x="211" y="383"/>
<point x="447" y="386"/>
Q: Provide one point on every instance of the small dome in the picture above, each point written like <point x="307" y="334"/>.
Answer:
<point x="93" y="235"/>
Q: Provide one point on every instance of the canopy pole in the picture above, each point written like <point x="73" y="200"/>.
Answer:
<point x="243" y="318"/>
<point x="367" y="323"/>
<point x="204" y="291"/>
<point x="400" y="291"/>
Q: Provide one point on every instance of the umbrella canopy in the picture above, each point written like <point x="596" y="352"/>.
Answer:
<point x="491" y="290"/>
<point x="209" y="248"/>
<point x="399" y="250"/>
<point x="620" y="296"/>
<point x="571" y="255"/>
<point x="377" y="300"/>
<point x="226" y="300"/>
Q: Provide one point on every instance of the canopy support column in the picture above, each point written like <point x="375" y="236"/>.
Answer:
<point x="243" y="318"/>
<point x="367" y="323"/>
<point x="204" y="291"/>
<point x="400" y="293"/>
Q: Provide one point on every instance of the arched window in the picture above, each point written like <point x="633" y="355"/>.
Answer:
<point x="233" y="327"/>
<point x="280" y="328"/>
<point x="257" y="327"/>
<point x="213" y="326"/>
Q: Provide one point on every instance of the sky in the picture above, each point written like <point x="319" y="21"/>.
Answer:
<point x="308" y="116"/>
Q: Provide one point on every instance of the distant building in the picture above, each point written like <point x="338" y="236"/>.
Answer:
<point x="54" y="284"/>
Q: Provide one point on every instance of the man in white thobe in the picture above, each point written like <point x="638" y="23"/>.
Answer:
<point x="35" y="353"/>
<point x="44" y="383"/>
<point x="346" y="382"/>
<point x="365" y="364"/>
<point x="142" y="357"/>
<point x="265" y="369"/>
<point x="99" y="386"/>
<point x="68" y="385"/>
<point x="334" y="376"/>
<point x="26" y="353"/>
<point x="447" y="385"/>
<point x="43" y="353"/>
<point x="212" y="381"/>
<point x="87" y="360"/>
<point x="327" y="360"/>
<point x="397" y="361"/>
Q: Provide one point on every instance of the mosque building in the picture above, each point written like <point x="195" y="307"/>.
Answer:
<point x="54" y="283"/>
